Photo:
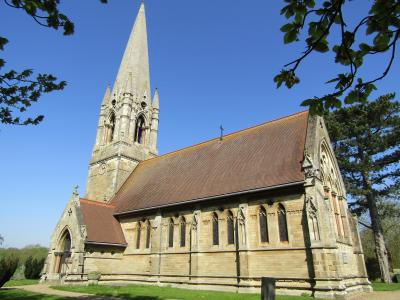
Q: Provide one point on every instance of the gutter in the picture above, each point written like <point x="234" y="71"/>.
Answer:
<point x="106" y="244"/>
<point x="275" y="187"/>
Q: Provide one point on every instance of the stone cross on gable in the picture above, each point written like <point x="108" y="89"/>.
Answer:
<point x="222" y="132"/>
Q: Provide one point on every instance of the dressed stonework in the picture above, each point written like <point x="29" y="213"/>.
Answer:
<point x="267" y="201"/>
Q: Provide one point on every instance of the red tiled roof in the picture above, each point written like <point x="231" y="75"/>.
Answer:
<point x="101" y="226"/>
<point x="263" y="156"/>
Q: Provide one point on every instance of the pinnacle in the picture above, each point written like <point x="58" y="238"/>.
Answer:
<point x="156" y="103"/>
<point x="107" y="96"/>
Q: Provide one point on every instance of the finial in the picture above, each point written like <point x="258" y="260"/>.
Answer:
<point x="222" y="132"/>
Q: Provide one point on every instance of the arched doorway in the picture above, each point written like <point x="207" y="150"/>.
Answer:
<point x="62" y="255"/>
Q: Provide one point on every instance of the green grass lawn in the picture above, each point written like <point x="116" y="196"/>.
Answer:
<point x="140" y="292"/>
<point x="21" y="282"/>
<point x="14" y="294"/>
<point x="380" y="287"/>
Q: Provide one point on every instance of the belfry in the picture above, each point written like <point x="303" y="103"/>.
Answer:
<point x="266" y="201"/>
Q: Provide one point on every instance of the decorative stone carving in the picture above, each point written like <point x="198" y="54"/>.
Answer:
<point x="312" y="205"/>
<point x="83" y="231"/>
<point x="312" y="172"/>
<point x="102" y="168"/>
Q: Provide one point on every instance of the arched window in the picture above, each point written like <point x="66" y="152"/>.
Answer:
<point x="148" y="233"/>
<point x="215" y="229"/>
<point x="315" y="228"/>
<point x="110" y="129"/>
<point x="336" y="211"/>
<point x="282" y="224"/>
<point x="345" y="224"/>
<point x="262" y="214"/>
<point x="183" y="232"/>
<point x="139" y="229"/>
<point x="230" y="228"/>
<point x="139" y="130"/>
<point x="171" y="233"/>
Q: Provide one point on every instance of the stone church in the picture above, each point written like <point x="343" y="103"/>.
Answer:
<point x="266" y="201"/>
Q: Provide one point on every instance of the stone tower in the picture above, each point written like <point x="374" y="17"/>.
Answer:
<point x="128" y="122"/>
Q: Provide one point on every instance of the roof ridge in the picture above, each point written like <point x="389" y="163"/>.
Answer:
<point x="92" y="202"/>
<point x="225" y="136"/>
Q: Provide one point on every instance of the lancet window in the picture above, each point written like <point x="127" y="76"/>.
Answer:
<point x="333" y="191"/>
<point x="171" y="233"/>
<point x="139" y="130"/>
<point x="110" y="129"/>
<point x="183" y="232"/>
<point x="148" y="234"/>
<point x="215" y="229"/>
<point x="230" y="228"/>
<point x="139" y="230"/>
<point x="263" y="222"/>
<point x="282" y="224"/>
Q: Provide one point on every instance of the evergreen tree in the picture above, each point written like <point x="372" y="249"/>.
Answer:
<point x="28" y="267"/>
<point x="8" y="265"/>
<point x="366" y="140"/>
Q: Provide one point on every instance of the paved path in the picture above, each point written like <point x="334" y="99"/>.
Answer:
<point x="45" y="289"/>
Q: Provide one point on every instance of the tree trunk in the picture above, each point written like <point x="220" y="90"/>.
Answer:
<point x="380" y="246"/>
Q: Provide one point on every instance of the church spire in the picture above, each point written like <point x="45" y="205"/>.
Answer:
<point x="135" y="62"/>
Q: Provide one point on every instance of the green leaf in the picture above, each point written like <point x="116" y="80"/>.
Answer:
<point x="290" y="36"/>
<point x="287" y="27"/>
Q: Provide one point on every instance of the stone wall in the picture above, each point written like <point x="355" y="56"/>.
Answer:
<point x="234" y="267"/>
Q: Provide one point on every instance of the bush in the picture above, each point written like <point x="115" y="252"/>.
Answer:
<point x="33" y="267"/>
<point x="8" y="265"/>
<point x="373" y="269"/>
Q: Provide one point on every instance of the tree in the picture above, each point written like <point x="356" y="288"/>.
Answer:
<point x="8" y="265"/>
<point x="1" y="240"/>
<point x="389" y="211"/>
<point x="33" y="267"/>
<point x="20" y="89"/>
<point x="375" y="33"/>
<point x="366" y="140"/>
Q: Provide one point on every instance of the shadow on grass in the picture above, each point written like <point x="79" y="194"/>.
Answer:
<point x="15" y="294"/>
<point x="122" y="296"/>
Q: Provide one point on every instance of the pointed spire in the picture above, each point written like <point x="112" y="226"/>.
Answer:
<point x="136" y="59"/>
<point x="156" y="103"/>
<point x="107" y="95"/>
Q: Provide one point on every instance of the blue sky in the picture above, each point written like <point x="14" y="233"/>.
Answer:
<point x="213" y="62"/>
